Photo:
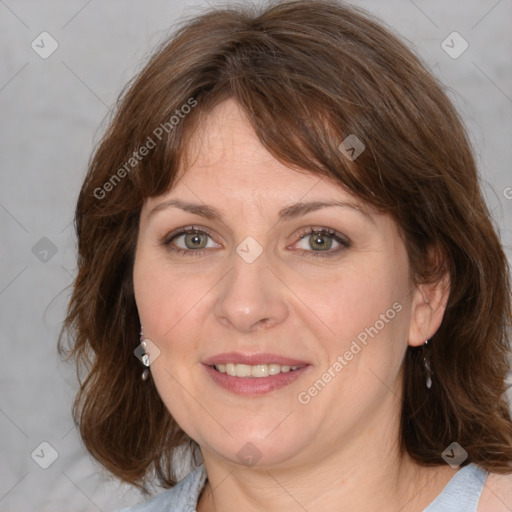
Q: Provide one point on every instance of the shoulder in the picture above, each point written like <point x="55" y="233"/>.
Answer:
<point x="497" y="494"/>
<point x="159" y="503"/>
<point x="182" y="497"/>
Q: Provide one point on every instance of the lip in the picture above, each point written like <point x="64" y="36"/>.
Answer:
<point x="254" y="386"/>
<point x="253" y="359"/>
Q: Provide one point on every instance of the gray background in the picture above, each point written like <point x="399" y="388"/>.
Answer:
<point x="54" y="111"/>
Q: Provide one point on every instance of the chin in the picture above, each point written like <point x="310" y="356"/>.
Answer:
<point x="254" y="449"/>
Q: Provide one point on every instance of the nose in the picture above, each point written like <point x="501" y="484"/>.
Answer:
<point x="251" y="296"/>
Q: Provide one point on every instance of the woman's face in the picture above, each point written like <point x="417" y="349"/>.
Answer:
<point x="253" y="281"/>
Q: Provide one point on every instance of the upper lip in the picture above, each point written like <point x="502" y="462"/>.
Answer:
<point x="252" y="359"/>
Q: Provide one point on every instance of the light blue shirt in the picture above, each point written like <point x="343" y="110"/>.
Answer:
<point x="461" y="494"/>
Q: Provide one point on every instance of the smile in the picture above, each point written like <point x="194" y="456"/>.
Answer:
<point x="265" y="379"/>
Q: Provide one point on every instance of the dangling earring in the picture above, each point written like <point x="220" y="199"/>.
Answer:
<point x="145" y="357"/>
<point x="428" y="369"/>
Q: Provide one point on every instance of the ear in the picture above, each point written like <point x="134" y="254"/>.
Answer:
<point x="427" y="309"/>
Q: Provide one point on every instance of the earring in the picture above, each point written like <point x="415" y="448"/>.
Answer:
<point x="145" y="357"/>
<point x="428" y="369"/>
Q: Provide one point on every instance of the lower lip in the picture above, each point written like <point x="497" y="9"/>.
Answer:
<point x="255" y="385"/>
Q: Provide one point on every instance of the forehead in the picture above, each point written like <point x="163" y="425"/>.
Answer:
<point x="225" y="153"/>
<point x="230" y="172"/>
<point x="229" y="169"/>
<point x="227" y="137"/>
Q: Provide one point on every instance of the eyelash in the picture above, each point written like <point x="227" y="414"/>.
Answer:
<point x="343" y="241"/>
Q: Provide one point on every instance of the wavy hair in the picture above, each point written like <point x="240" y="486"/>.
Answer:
<point x="307" y="74"/>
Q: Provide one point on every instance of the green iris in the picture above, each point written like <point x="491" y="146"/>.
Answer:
<point x="320" y="242"/>
<point x="196" y="240"/>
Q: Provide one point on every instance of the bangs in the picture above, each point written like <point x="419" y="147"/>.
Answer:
<point x="295" y="127"/>
<point x="308" y="113"/>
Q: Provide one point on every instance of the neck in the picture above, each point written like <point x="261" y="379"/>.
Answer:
<point x="369" y="475"/>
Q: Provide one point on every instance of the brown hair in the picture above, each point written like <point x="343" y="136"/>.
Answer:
<point x="308" y="74"/>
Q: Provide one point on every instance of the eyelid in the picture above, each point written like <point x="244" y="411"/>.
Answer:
<point x="323" y="230"/>
<point x="166" y="239"/>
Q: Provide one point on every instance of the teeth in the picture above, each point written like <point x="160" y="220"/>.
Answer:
<point x="259" y="370"/>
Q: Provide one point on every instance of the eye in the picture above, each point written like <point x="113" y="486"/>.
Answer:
<point x="319" y="242"/>
<point x="322" y="240"/>
<point x="189" y="240"/>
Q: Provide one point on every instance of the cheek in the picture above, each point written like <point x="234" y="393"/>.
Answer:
<point x="161" y="299"/>
<point x="355" y="299"/>
<point x="170" y="304"/>
<point x="364" y="318"/>
<point x="366" y="312"/>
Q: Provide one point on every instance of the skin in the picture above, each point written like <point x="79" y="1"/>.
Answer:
<point x="341" y="447"/>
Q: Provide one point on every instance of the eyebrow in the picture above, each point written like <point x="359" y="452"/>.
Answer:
<point x="289" y="212"/>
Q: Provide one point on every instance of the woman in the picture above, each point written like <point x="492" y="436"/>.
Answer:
<point x="286" y="210"/>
